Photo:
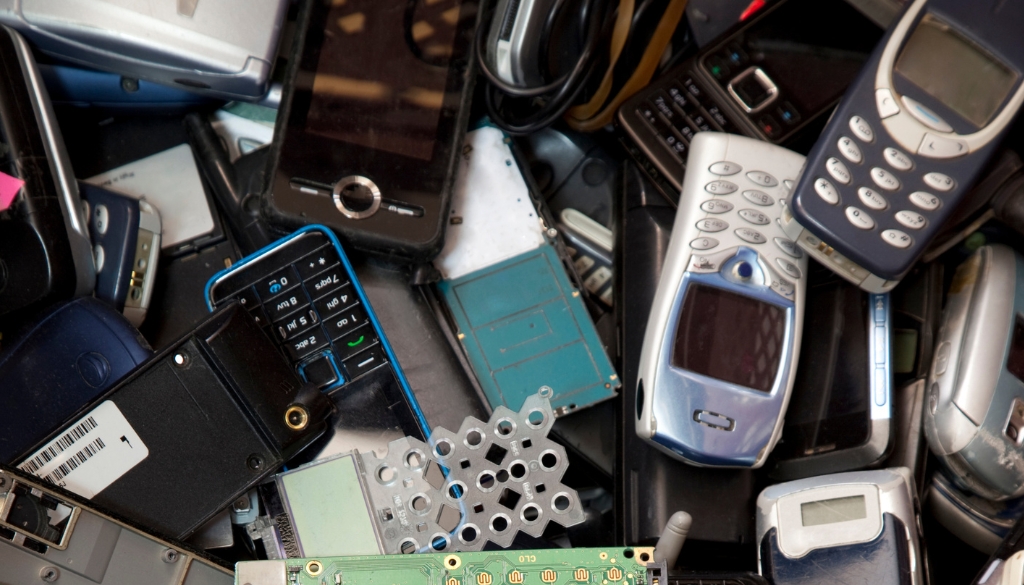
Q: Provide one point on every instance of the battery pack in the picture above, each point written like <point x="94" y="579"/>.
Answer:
<point x="188" y="432"/>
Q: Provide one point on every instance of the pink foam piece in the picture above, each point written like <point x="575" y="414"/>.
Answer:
<point x="9" y="187"/>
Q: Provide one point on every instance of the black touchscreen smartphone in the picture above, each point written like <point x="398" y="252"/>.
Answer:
<point x="371" y="121"/>
<point x="840" y="414"/>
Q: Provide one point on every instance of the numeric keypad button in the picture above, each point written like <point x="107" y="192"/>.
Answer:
<point x="911" y="219"/>
<point x="754" y="217"/>
<point x="711" y="225"/>
<point x="884" y="179"/>
<point x="762" y="178"/>
<point x="759" y="198"/>
<point x="752" y="236"/>
<point x="838" y="170"/>
<point x="897" y="159"/>
<point x="720" y="187"/>
<point x="859" y="218"/>
<point x="872" y="199"/>
<point x="788" y="267"/>
<point x="827" y="191"/>
<point x="925" y="200"/>
<point x="897" y="238"/>
<point x="716" y="206"/>
<point x="789" y="247"/>
<point x="725" y="168"/>
<point x="939" y="182"/>
<point x="788" y="184"/>
<point x="849" y="149"/>
<point x="703" y="243"/>
<point x="861" y="129"/>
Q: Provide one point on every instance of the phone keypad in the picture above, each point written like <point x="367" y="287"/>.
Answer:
<point x="827" y="191"/>
<point x="849" y="149"/>
<point x="872" y="199"/>
<point x="861" y="129"/>
<point x="897" y="159"/>
<point x="939" y="182"/>
<point x="759" y="198"/>
<point x="678" y="111"/>
<point x="754" y="217"/>
<point x="911" y="219"/>
<point x="925" y="201"/>
<point x="883" y="188"/>
<point x="703" y="243"/>
<point x="859" y="218"/>
<point x="838" y="170"/>
<point x="884" y="179"/>
<point x="311" y="310"/>
<point x="748" y="225"/>
<point x="720" y="187"/>
<point x="751" y="236"/>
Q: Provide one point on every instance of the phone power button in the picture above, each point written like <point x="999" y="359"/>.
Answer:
<point x="356" y="197"/>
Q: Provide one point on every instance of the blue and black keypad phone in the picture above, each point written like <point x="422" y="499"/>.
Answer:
<point x="305" y="296"/>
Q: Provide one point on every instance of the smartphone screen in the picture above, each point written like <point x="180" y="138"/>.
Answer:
<point x="381" y="74"/>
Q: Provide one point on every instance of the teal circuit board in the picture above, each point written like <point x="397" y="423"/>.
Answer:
<point x="580" y="566"/>
<point x="522" y="326"/>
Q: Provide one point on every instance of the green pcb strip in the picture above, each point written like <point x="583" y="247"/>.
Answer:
<point x="593" y="566"/>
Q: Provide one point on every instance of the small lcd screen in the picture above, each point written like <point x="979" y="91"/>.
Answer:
<point x="729" y="337"/>
<point x="955" y="71"/>
<point x="381" y="76"/>
<point x="833" y="511"/>
<point x="1015" y="361"/>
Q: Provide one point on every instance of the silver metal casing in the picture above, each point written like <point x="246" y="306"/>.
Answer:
<point x="971" y="394"/>
<point x="697" y="418"/>
<point x="513" y="43"/>
<point x="224" y="48"/>
<point x="88" y="547"/>
<point x="823" y="552"/>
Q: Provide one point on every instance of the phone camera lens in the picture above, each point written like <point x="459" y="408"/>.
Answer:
<point x="357" y="197"/>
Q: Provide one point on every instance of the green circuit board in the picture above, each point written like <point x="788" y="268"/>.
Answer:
<point x="593" y="566"/>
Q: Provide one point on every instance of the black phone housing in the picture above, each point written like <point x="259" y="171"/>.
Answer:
<point x="810" y="50"/>
<point x="211" y="409"/>
<point x="410" y="164"/>
<point x="43" y="259"/>
<point x="830" y="425"/>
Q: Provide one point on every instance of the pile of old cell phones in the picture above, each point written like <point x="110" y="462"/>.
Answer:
<point x="279" y="299"/>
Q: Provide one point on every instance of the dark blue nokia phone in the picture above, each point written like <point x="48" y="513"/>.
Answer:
<point x="304" y="294"/>
<point x="909" y="139"/>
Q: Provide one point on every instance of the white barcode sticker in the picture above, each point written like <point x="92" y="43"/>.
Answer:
<point x="97" y="450"/>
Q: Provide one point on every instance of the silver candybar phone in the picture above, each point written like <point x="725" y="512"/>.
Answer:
<point x="723" y="338"/>
<point x="224" y="48"/>
<point x="974" y="418"/>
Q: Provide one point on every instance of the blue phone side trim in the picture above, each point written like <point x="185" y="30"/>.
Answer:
<point x="880" y="354"/>
<point x="406" y="389"/>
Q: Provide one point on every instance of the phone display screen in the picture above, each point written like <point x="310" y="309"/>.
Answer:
<point x="833" y="511"/>
<point x="955" y="71"/>
<point x="830" y="406"/>
<point x="381" y="74"/>
<point x="730" y="337"/>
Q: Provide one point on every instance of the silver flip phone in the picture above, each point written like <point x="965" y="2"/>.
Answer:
<point x="974" y="418"/>
<point x="224" y="48"/>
